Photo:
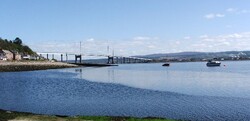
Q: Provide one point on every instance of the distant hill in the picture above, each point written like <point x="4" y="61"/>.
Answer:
<point x="16" y="46"/>
<point x="199" y="55"/>
<point x="181" y="54"/>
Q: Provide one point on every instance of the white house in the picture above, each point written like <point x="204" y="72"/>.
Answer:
<point x="8" y="55"/>
<point x="29" y="57"/>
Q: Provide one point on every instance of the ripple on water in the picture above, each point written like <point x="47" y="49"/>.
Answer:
<point x="54" y="92"/>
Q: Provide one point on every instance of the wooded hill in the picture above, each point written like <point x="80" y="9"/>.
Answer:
<point x="16" y="46"/>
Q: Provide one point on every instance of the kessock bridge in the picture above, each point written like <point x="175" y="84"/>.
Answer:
<point x="78" y="58"/>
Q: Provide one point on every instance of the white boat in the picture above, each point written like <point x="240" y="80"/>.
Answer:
<point x="212" y="63"/>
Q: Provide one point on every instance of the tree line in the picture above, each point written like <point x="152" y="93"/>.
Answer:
<point x="16" y="45"/>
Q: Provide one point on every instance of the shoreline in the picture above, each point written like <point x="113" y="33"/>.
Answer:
<point x="6" y="115"/>
<point x="15" y="66"/>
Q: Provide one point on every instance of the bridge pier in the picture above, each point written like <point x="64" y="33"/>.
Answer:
<point x="117" y="60"/>
<point x="122" y="59"/>
<point x="66" y="57"/>
<point x="76" y="58"/>
<point x="110" y="60"/>
<point x="61" y="57"/>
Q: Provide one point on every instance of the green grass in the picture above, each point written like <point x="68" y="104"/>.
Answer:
<point x="7" y="115"/>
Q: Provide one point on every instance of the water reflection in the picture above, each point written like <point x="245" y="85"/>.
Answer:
<point x="79" y="70"/>
<point x="71" y="92"/>
<point x="111" y="74"/>
<point x="180" y="77"/>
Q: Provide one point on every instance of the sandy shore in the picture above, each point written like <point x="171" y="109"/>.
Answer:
<point x="32" y="65"/>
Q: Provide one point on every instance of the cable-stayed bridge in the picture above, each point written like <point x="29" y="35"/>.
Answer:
<point x="111" y="59"/>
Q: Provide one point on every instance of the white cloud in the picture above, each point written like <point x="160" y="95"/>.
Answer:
<point x="129" y="47"/>
<point x="141" y="38"/>
<point x="226" y="12"/>
<point x="151" y="46"/>
<point x="245" y="11"/>
<point x="231" y="10"/>
<point x="187" y="37"/>
<point x="235" y="41"/>
<point x="90" y="39"/>
<point x="212" y="15"/>
<point x="148" y="45"/>
<point x="204" y="36"/>
<point x="209" y="16"/>
<point x="219" y="15"/>
<point x="237" y="11"/>
<point x="177" y="42"/>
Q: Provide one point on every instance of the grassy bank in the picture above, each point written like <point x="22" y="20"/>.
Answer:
<point x="20" y="116"/>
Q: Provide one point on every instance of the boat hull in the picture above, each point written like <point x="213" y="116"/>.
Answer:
<point x="213" y="64"/>
<point x="166" y="64"/>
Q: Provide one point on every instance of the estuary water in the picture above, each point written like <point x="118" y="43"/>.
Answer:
<point x="188" y="91"/>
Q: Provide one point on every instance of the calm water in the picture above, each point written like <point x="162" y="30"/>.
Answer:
<point x="182" y="91"/>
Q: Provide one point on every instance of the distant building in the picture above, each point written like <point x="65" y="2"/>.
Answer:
<point x="29" y="57"/>
<point x="17" y="56"/>
<point x="26" y="57"/>
<point x="2" y="55"/>
<point x="8" y="55"/>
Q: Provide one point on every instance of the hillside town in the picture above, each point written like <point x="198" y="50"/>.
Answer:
<point x="7" y="55"/>
<point x="15" y="50"/>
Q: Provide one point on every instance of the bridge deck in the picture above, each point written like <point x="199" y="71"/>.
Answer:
<point x="93" y="64"/>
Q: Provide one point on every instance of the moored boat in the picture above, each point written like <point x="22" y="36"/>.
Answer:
<point x="166" y="64"/>
<point x="212" y="63"/>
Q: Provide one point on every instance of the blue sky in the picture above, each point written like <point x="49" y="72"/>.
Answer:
<point x="129" y="27"/>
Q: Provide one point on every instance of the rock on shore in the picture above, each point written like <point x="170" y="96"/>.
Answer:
<point x="32" y="65"/>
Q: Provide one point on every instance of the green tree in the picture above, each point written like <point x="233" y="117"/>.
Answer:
<point x="18" y="41"/>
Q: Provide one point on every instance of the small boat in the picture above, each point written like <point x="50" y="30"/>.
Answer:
<point x="166" y="64"/>
<point x="212" y="63"/>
